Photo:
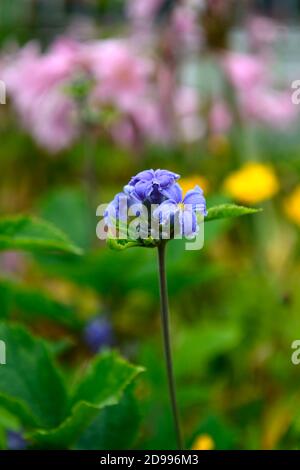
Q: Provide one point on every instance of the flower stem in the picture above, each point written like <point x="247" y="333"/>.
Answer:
<point x="166" y="340"/>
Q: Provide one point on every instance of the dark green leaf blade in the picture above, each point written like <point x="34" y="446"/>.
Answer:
<point x="36" y="304"/>
<point x="106" y="432"/>
<point x="102" y="385"/>
<point x="33" y="234"/>
<point x="30" y="385"/>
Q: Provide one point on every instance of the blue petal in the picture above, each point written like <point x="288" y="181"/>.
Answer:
<point x="174" y="192"/>
<point x="146" y="175"/>
<point x="165" y="210"/>
<point x="189" y="222"/>
<point x="142" y="189"/>
<point x="163" y="173"/>
<point x="194" y="196"/>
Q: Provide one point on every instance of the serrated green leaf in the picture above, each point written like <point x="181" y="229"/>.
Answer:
<point x="30" y="233"/>
<point x="102" y="385"/>
<point x="106" y="432"/>
<point x="30" y="386"/>
<point x="120" y="244"/>
<point x="225" y="211"/>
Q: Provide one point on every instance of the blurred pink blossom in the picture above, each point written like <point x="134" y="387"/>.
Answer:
<point x="190" y="123"/>
<point x="121" y="74"/>
<point x="38" y="84"/>
<point x="185" y="25"/>
<point x="55" y="121"/>
<point x="262" y="31"/>
<point x="220" y="118"/>
<point x="244" y="71"/>
<point x="150" y="118"/>
<point x="186" y="101"/>
<point x="143" y="10"/>
<point x="272" y="108"/>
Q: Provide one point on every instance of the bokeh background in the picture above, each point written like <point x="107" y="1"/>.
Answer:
<point x="99" y="90"/>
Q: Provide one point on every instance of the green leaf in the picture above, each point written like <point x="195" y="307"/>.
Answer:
<point x="33" y="234"/>
<point x="30" y="386"/>
<point x="36" y="304"/>
<point x="225" y="211"/>
<point x="69" y="210"/>
<point x="120" y="244"/>
<point x="106" y="432"/>
<point x="102" y="385"/>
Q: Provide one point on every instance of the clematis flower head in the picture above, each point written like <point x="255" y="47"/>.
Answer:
<point x="152" y="209"/>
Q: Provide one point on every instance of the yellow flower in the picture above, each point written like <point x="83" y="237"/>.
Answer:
<point x="252" y="183"/>
<point x="191" y="181"/>
<point x="292" y="205"/>
<point x="203" y="442"/>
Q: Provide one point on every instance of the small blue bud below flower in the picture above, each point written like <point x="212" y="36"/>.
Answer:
<point x="15" y="440"/>
<point x="98" y="334"/>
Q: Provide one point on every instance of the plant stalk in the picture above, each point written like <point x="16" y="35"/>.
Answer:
<point x="167" y="342"/>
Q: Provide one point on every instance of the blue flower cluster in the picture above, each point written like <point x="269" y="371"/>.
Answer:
<point x="160" y="189"/>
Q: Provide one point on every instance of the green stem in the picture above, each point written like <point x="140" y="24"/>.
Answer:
<point x="166" y="340"/>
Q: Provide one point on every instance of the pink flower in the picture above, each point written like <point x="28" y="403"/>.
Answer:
<point x="262" y="31"/>
<point x="187" y="114"/>
<point x="120" y="72"/>
<point x="220" y="117"/>
<point x="36" y="83"/>
<point x="244" y="71"/>
<point x="55" y="121"/>
<point x="143" y="10"/>
<point x="152" y="121"/>
<point x="273" y="108"/>
<point x="124" y="133"/>
<point x="186" y="26"/>
<point x="186" y="101"/>
<point x="19" y="73"/>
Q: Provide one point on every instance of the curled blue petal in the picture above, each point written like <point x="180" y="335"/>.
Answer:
<point x="189" y="222"/>
<point x="146" y="175"/>
<point x="165" y="211"/>
<point x="196" y="198"/>
<point x="174" y="192"/>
